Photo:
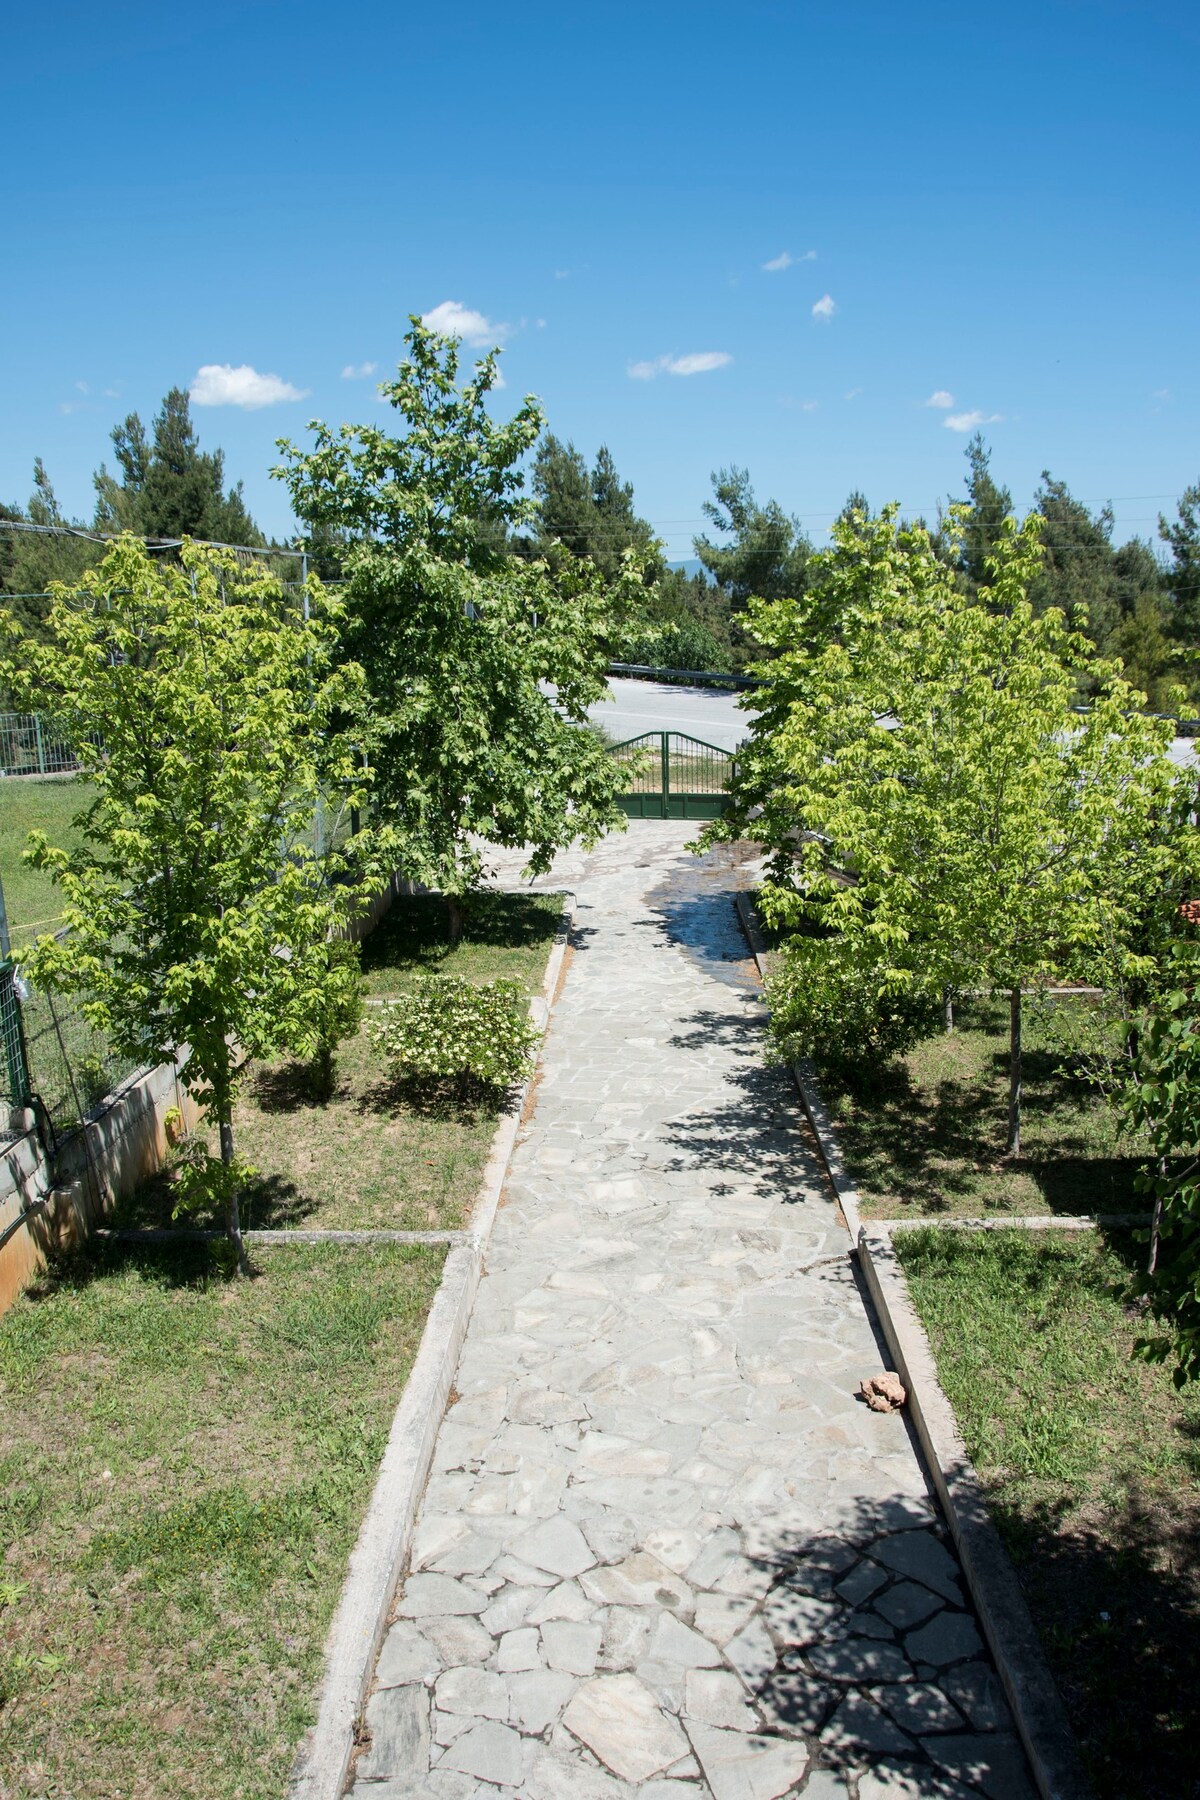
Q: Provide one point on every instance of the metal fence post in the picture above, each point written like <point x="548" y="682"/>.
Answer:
<point x="41" y="751"/>
<point x="666" y="774"/>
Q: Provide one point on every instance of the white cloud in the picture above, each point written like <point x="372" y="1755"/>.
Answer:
<point x="498" y="380"/>
<point x="698" y="362"/>
<point x="220" y="384"/>
<point x="452" y="319"/>
<point x="1161" y="394"/>
<point x="970" y="421"/>
<point x="824" y="308"/>
<point x="941" y="399"/>
<point x="540" y="323"/>
<point x="785" y="260"/>
<point x="359" y="371"/>
<point x="809" y="405"/>
<point x="561" y="274"/>
<point x="852" y="393"/>
<point x="81" y="387"/>
<point x="112" y="393"/>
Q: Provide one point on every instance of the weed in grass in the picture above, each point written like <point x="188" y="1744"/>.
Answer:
<point x="1092" y="1466"/>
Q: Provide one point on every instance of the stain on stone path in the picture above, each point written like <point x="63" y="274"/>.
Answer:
<point x="663" y="1551"/>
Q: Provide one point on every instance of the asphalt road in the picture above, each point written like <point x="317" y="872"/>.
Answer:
<point x="707" y="713"/>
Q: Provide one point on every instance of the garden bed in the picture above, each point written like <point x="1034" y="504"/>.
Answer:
<point x="187" y="1459"/>
<point x="376" y="1154"/>
<point x="1091" y="1463"/>
<point x="926" y="1137"/>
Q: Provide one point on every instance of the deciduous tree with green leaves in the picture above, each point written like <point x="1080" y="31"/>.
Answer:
<point x="931" y="797"/>
<point x="198" y="912"/>
<point x="480" y="666"/>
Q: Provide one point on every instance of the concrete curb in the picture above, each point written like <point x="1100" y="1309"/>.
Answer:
<point x="360" y="1620"/>
<point x="1012" y="1638"/>
<point x="1037" y="1707"/>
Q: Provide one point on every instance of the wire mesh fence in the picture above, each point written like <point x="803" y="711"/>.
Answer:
<point x="71" y="1066"/>
<point x="29" y="745"/>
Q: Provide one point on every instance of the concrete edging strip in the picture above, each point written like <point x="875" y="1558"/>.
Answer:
<point x="995" y="1591"/>
<point x="360" y="1619"/>
<point x="1010" y="1632"/>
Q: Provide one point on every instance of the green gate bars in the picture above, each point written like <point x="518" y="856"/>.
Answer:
<point x="673" y="776"/>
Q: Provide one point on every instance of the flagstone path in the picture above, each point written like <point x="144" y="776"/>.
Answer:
<point x="664" y="1551"/>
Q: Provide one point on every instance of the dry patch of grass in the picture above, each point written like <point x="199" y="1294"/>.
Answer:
<point x="926" y="1136"/>
<point x="1092" y="1466"/>
<point x="187" y="1458"/>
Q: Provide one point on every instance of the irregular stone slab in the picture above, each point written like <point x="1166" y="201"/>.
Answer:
<point x="571" y="1647"/>
<point x="566" y="1601"/>
<point x="626" y="1635"/>
<point x="518" y="1650"/>
<point x="641" y="1580"/>
<point x="739" y="1766"/>
<point x="975" y="1689"/>
<point x="618" y="1720"/>
<point x="406" y="1656"/>
<point x="865" y="1579"/>
<point x="438" y="1596"/>
<point x="858" y="1724"/>
<point x="950" y="1637"/>
<point x="919" y="1707"/>
<point x="993" y="1763"/>
<point x="533" y="1405"/>
<point x="889" y="1780"/>
<point x="907" y="1603"/>
<point x="752" y="1653"/>
<point x="557" y="1546"/>
<point x="924" y="1557"/>
<point x="675" y="1642"/>
<point x="490" y="1752"/>
<point x="457" y="1640"/>
<point x="398" y="1721"/>
<point x="862" y="1660"/>
<point x="796" y="1618"/>
<point x="715" y="1697"/>
<point x="559" y="1774"/>
<point x="477" y="1692"/>
<point x="536" y="1698"/>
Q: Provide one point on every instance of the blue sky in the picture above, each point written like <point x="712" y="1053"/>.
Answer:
<point x="992" y="206"/>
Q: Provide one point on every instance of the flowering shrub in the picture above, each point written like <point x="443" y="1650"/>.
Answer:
<point x="448" y="1028"/>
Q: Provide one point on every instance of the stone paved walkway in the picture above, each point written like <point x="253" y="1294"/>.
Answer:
<point x="664" y="1552"/>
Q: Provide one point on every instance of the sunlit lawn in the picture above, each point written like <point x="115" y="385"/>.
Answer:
<point x="186" y="1460"/>
<point x="30" y="803"/>
<point x="1092" y="1466"/>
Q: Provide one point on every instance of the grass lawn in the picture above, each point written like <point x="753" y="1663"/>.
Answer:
<point x="928" y="1137"/>
<point x="186" y="1461"/>
<point x="1092" y="1466"/>
<point x="28" y="803"/>
<point x="375" y="1155"/>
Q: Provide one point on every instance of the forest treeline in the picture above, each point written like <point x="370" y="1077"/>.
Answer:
<point x="1138" y="600"/>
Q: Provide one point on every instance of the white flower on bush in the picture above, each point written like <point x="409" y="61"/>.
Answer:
<point x="446" y="1027"/>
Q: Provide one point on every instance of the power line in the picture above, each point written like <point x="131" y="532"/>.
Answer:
<point x="112" y="537"/>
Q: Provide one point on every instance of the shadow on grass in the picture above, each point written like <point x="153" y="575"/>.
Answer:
<point x="928" y="1144"/>
<point x="184" y="1263"/>
<point x="1117" y="1603"/>
<point x="415" y="934"/>
<point x="292" y="1086"/>
<point x="462" y="1099"/>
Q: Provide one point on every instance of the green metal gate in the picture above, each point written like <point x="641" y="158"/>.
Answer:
<point x="673" y="776"/>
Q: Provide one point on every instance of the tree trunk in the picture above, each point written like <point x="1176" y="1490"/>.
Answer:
<point x="233" y="1217"/>
<point x="1013" y="1146"/>
<point x="1156" y="1221"/>
<point x="949" y="1005"/>
<point x="454" y="917"/>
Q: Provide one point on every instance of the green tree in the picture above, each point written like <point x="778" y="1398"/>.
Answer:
<point x="198" y="912"/>
<point x="769" y="555"/>
<point x="929" y="795"/>
<point x="169" y="487"/>
<point x="990" y="505"/>
<point x="591" y="513"/>
<point x="1182" y="537"/>
<point x="480" y="666"/>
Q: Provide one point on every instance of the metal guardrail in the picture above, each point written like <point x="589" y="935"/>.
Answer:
<point x="683" y="677"/>
<point x="29" y="745"/>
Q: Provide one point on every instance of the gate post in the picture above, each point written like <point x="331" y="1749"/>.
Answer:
<point x="666" y="774"/>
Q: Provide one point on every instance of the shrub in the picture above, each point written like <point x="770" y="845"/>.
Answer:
<point x="446" y="1028"/>
<point x="848" y="1016"/>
